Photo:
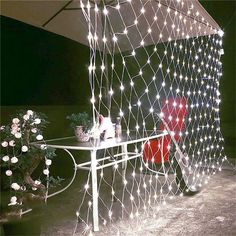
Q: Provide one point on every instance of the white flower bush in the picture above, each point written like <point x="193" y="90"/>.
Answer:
<point x="20" y="157"/>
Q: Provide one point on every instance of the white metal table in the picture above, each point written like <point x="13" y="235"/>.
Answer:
<point x="70" y="143"/>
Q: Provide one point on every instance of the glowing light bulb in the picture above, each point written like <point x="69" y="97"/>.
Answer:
<point x="121" y="113"/>
<point x="111" y="92"/>
<point x="114" y="38"/>
<point x="104" y="39"/>
<point x="105" y="11"/>
<point x="221" y="33"/>
<point x="122" y="87"/>
<point x="102" y="67"/>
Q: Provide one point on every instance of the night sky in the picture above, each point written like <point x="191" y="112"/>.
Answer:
<point x="41" y="68"/>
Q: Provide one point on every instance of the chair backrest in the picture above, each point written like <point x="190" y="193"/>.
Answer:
<point x="174" y="111"/>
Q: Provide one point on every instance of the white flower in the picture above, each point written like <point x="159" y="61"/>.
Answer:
<point x="12" y="143"/>
<point x="43" y="147"/>
<point x="13" y="201"/>
<point x="24" y="148"/>
<point x="46" y="171"/>
<point x="39" y="137"/>
<point x="18" y="135"/>
<point x="26" y="117"/>
<point x="15" y="186"/>
<point x="37" y="182"/>
<point x="4" y="143"/>
<point x="14" y="128"/>
<point x="34" y="130"/>
<point x="15" y="120"/>
<point x="2" y="127"/>
<point x="5" y="158"/>
<point x="34" y="189"/>
<point x="8" y="173"/>
<point x="48" y="162"/>
<point x="14" y="160"/>
<point x="37" y="121"/>
<point x="30" y="112"/>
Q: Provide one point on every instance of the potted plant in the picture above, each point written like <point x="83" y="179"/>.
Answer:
<point x="81" y="124"/>
<point x="24" y="166"/>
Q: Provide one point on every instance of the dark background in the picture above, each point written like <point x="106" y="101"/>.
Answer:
<point x="41" y="69"/>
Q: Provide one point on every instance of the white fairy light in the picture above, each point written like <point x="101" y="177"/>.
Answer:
<point x="221" y="33"/>
<point x="111" y="92"/>
<point x="86" y="186"/>
<point x="121" y="113"/>
<point x="102" y="67"/>
<point x="118" y="6"/>
<point x="92" y="100"/>
<point x="104" y="39"/>
<point x="105" y="11"/>
<point x="114" y="38"/>
<point x="95" y="37"/>
<point x="185" y="69"/>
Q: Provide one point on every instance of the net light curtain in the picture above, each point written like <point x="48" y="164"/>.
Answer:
<point x="151" y="59"/>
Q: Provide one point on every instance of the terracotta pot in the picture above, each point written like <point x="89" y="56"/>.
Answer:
<point x="81" y="135"/>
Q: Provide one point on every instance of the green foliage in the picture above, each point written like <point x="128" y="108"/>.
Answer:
<point x="80" y="119"/>
<point x="54" y="181"/>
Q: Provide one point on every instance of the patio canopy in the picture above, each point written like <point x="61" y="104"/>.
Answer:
<point x="67" y="18"/>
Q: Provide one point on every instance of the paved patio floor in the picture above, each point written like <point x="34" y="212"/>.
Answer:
<point x="210" y="212"/>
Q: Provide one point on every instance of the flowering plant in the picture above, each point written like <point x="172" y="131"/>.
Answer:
<point x="20" y="159"/>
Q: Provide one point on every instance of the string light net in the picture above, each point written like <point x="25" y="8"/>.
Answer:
<point x="156" y="65"/>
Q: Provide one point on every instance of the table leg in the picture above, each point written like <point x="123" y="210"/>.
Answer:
<point x="124" y="163"/>
<point x="94" y="190"/>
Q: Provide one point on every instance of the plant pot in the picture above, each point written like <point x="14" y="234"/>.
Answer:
<point x="81" y="135"/>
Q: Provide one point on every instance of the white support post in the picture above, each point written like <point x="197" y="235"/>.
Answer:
<point x="124" y="156"/>
<point x="94" y="190"/>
